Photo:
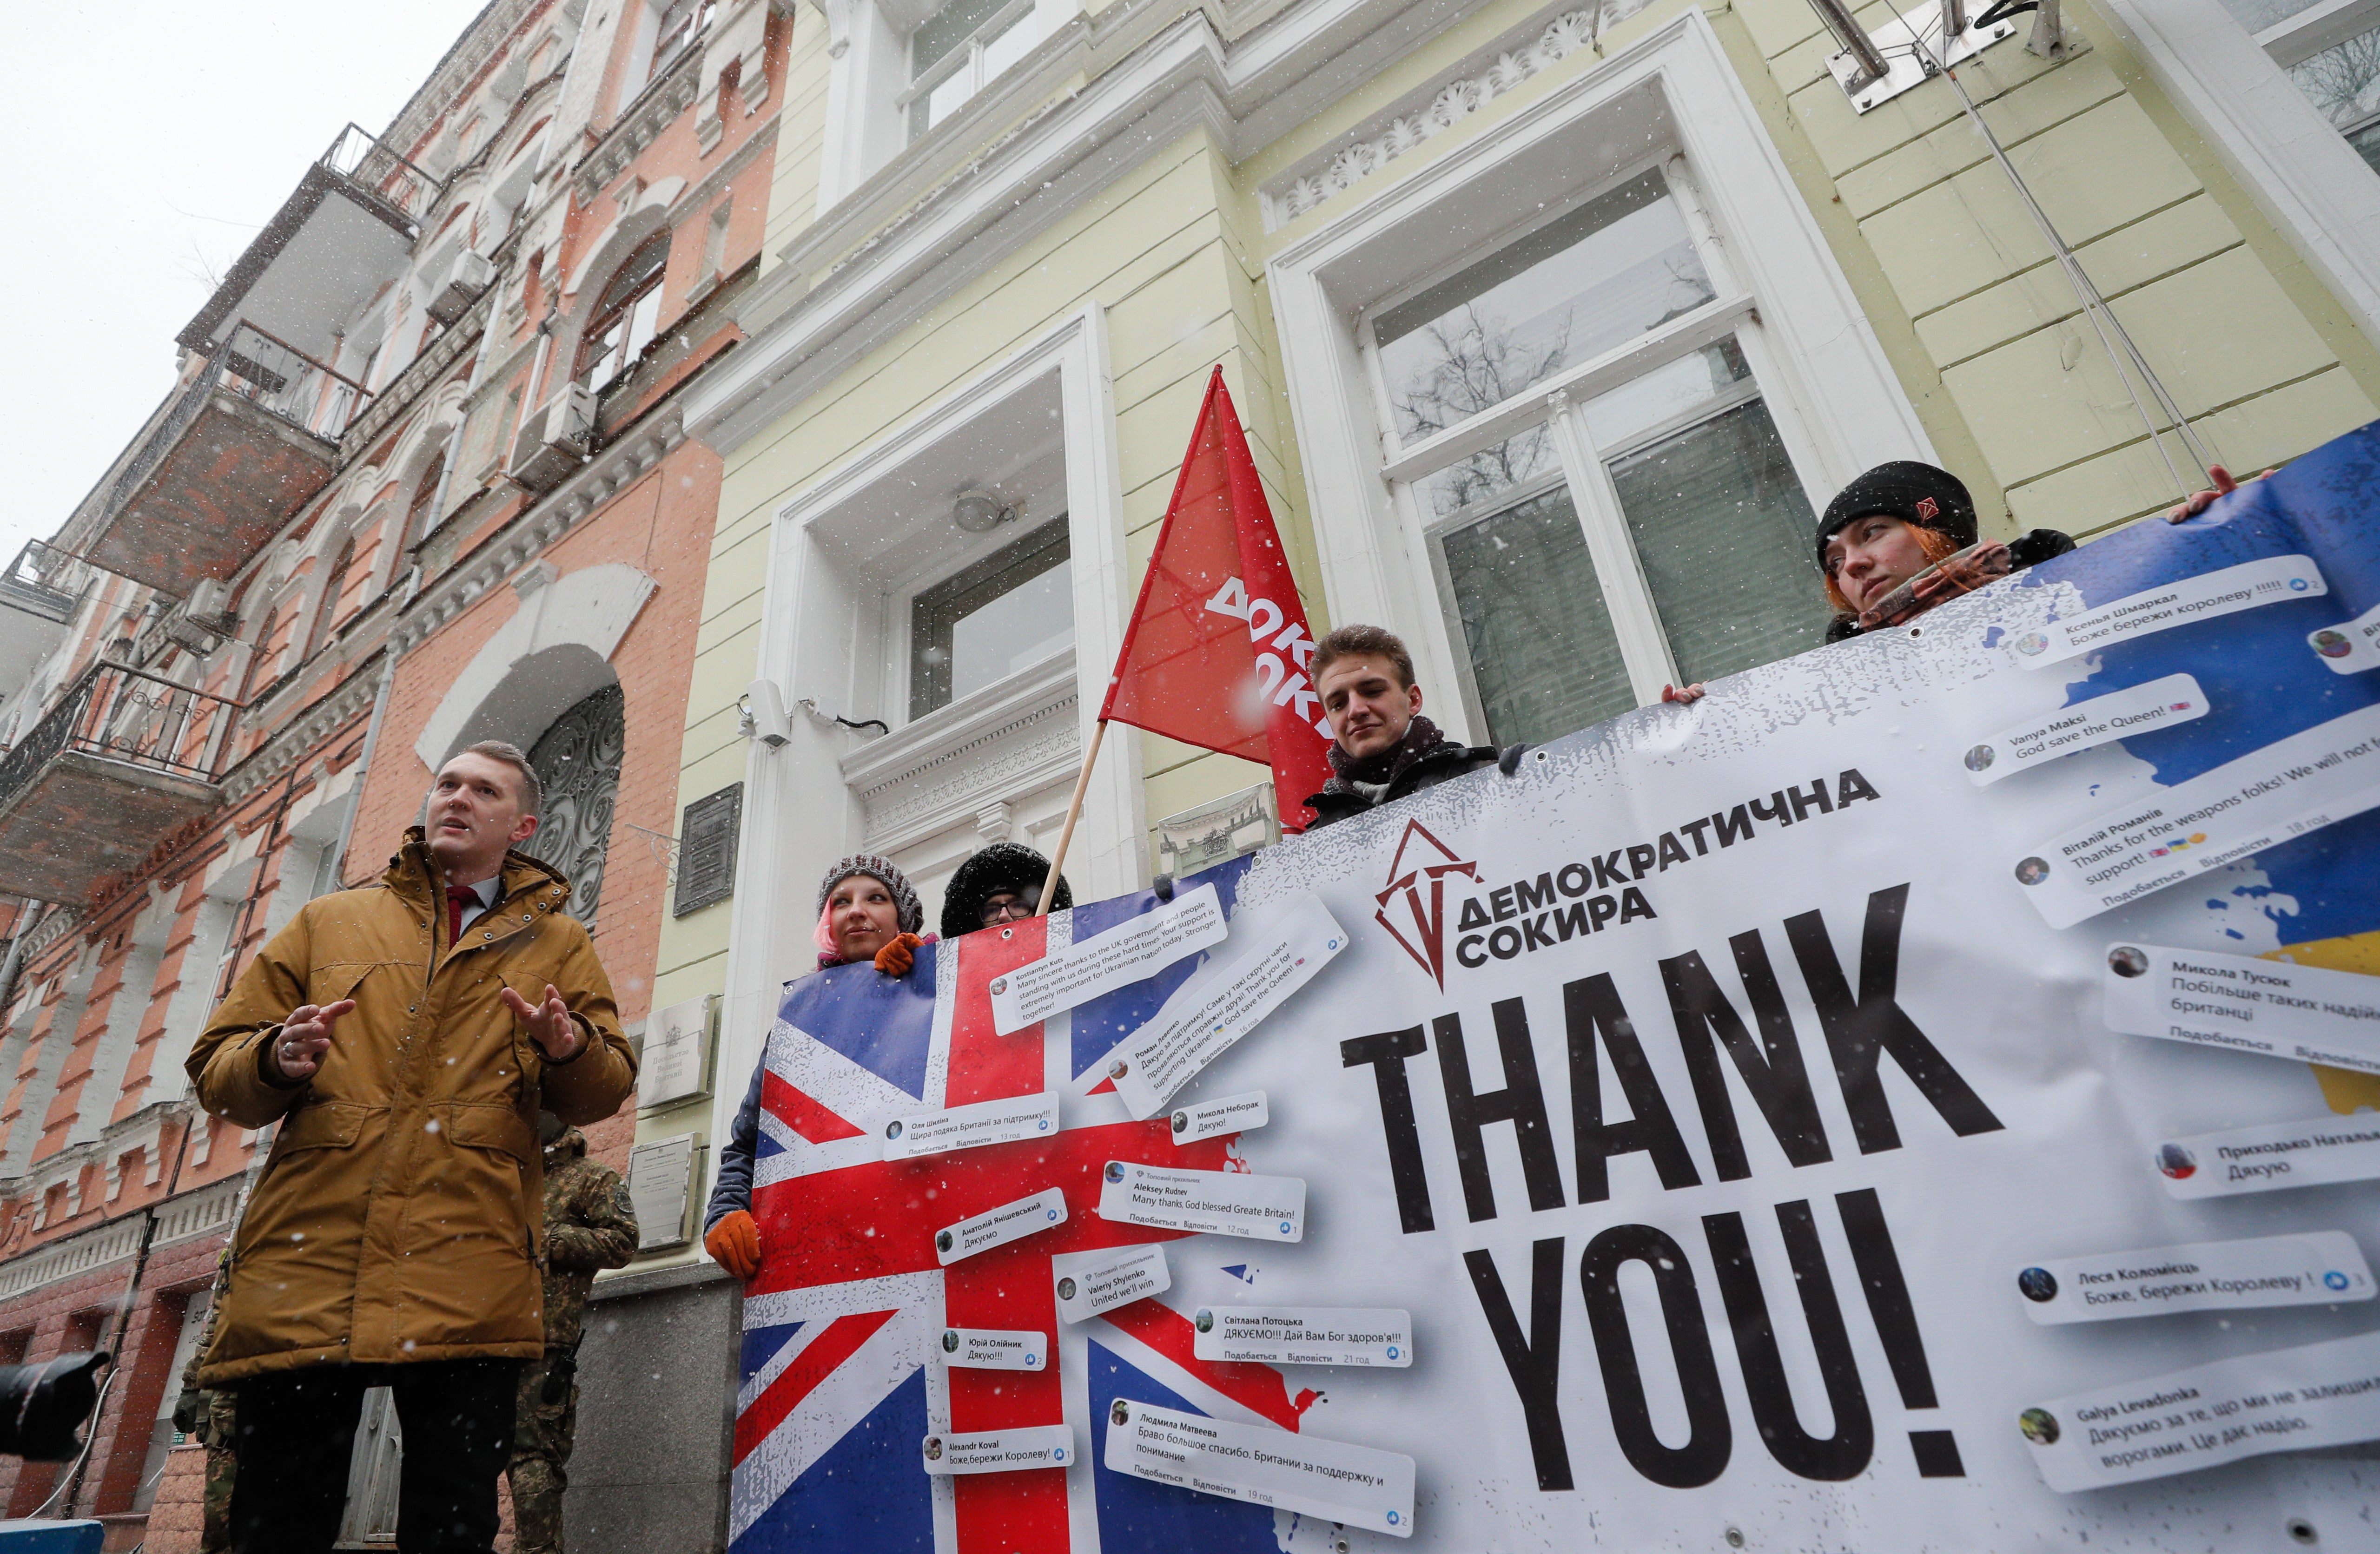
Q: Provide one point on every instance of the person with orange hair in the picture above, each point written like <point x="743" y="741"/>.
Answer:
<point x="1901" y="539"/>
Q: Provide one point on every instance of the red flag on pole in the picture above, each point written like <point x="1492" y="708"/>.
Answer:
<point x="1216" y="651"/>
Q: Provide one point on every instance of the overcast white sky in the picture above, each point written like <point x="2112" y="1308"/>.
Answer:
<point x="146" y="142"/>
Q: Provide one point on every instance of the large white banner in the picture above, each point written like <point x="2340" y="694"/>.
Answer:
<point x="1866" y="1109"/>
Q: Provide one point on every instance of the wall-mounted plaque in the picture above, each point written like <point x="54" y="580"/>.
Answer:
<point x="660" y="1189"/>
<point x="705" y="850"/>
<point x="676" y="1063"/>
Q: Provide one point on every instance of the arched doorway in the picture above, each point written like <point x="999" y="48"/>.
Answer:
<point x="578" y="760"/>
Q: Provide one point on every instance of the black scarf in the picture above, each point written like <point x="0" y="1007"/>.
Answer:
<point x="1371" y="777"/>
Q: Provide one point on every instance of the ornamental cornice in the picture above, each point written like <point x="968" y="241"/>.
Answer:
<point x="304" y="734"/>
<point x="423" y="373"/>
<point x="1334" y="172"/>
<point x="533" y="529"/>
<point x="655" y="109"/>
<point x="457" y="70"/>
<point x="944" y="768"/>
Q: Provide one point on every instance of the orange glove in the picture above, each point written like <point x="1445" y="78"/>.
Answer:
<point x="734" y="1242"/>
<point x="895" y="959"/>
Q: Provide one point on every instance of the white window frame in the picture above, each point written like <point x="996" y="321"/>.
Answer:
<point x="2300" y="171"/>
<point x="966" y="56"/>
<point x="819" y="615"/>
<point x="1828" y="385"/>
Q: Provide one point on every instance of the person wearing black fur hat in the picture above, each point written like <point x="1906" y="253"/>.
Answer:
<point x="1901" y="539"/>
<point x="997" y="884"/>
<point x="868" y="911"/>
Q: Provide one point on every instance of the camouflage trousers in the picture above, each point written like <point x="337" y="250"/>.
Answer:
<point x="222" y="1423"/>
<point x="542" y="1435"/>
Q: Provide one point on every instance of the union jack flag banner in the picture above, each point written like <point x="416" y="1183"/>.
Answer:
<point x="838" y="1389"/>
<point x="1917" y="1097"/>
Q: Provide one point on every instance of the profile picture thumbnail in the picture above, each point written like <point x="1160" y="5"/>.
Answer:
<point x="1119" y="1070"/>
<point x="2040" y="1427"/>
<point x="2032" y="643"/>
<point x="1182" y="1122"/>
<point x="950" y="1340"/>
<point x="2332" y="644"/>
<point x="2038" y="1284"/>
<point x="893" y="1129"/>
<point x="942" y="1241"/>
<point x="2125" y="961"/>
<point x="1206" y="1321"/>
<point x="1980" y="759"/>
<point x="999" y="985"/>
<point x="2033" y="872"/>
<point x="1120" y="1414"/>
<point x="2177" y="1162"/>
<point x="1065" y="1289"/>
<point x="1115" y="1171"/>
<point x="933" y="1448"/>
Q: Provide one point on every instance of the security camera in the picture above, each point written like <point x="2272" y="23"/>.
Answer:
<point x="764" y="713"/>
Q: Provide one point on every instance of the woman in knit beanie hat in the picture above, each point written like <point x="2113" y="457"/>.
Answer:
<point x="1900" y="538"/>
<point x="865" y="909"/>
<point x="867" y="912"/>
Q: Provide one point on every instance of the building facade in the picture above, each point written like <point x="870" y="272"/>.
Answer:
<point x="764" y="412"/>
<point x="424" y="479"/>
<point x="1552" y="327"/>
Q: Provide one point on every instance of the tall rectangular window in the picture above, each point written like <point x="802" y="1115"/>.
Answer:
<point x="1608" y="503"/>
<point x="1005" y="613"/>
<point x="956" y="52"/>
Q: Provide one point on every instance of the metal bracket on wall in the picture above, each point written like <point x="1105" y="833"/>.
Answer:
<point x="1875" y="67"/>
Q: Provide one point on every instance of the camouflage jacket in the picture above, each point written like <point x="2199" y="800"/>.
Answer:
<point x="588" y="1225"/>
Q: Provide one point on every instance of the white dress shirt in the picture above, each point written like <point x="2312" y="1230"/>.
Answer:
<point x="487" y="890"/>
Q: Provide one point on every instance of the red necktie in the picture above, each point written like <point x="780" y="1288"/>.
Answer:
<point x="459" y="897"/>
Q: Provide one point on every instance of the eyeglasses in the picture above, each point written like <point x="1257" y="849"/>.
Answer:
<point x="1016" y="908"/>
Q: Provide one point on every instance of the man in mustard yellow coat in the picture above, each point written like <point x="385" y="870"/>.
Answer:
<point x="405" y="1036"/>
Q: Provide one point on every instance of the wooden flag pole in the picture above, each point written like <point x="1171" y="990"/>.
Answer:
<point x="1073" y="813"/>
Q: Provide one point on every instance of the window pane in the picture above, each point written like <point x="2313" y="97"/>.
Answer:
<point x="1723" y="530"/>
<point x="1006" y="613"/>
<point x="1000" y="51"/>
<point x="946" y="29"/>
<point x="2343" y="82"/>
<point x="1488" y="472"/>
<point x="1542" y="651"/>
<point x="2257" y="15"/>
<point x="1015" y="631"/>
<point x="1605" y="274"/>
<point x="1664" y="392"/>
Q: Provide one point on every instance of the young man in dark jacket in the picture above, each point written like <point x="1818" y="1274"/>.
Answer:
<point x="1383" y="748"/>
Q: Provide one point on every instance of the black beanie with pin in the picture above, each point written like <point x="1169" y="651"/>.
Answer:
<point x="1913" y="492"/>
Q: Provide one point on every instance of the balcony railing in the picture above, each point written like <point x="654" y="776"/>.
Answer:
<point x="45" y="581"/>
<point x="271" y="374"/>
<point x="124" y="714"/>
<point x="360" y="158"/>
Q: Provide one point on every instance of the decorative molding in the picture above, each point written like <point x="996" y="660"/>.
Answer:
<point x="424" y="372"/>
<point x="533" y="529"/>
<point x="457" y="71"/>
<point x="60" y="922"/>
<point x="653" y="111"/>
<point x="738" y="41"/>
<point x="302" y="735"/>
<point x="1334" y="172"/>
<point x="953" y="767"/>
<point x="212" y="1207"/>
<point x="94" y="1248"/>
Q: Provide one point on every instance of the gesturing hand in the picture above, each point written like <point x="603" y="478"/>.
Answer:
<point x="550" y="1025"/>
<point x="298" y="1052"/>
